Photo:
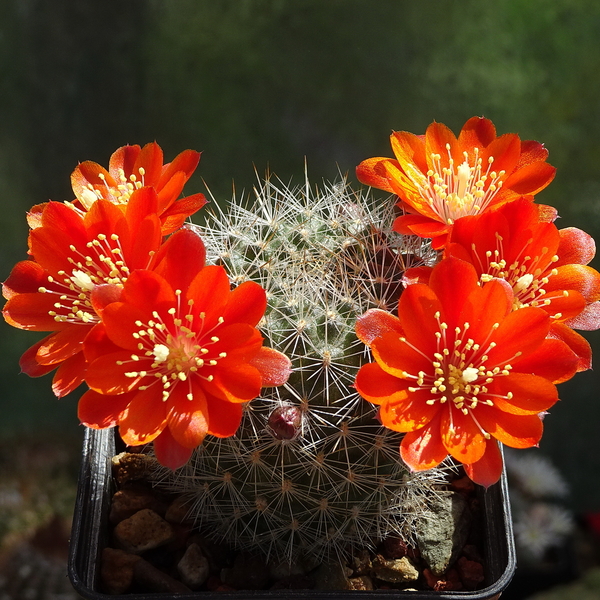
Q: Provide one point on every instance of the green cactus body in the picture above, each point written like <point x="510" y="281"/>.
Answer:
<point x="310" y="468"/>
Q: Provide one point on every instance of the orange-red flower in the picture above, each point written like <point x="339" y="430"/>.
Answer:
<point x="458" y="369"/>
<point x="440" y="178"/>
<point x="545" y="266"/>
<point x="131" y="168"/>
<point x="79" y="263"/>
<point x="178" y="357"/>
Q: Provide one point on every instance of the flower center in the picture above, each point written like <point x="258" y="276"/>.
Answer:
<point x="101" y="263"/>
<point x="461" y="376"/>
<point x="171" y="352"/>
<point x="458" y="190"/>
<point x="527" y="275"/>
<point x="119" y="194"/>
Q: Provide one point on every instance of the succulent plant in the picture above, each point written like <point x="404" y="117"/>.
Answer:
<point x="310" y="469"/>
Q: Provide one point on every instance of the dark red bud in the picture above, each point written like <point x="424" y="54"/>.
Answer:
<point x="285" y="422"/>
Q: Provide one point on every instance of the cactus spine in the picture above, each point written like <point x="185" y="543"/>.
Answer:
<point x="310" y="469"/>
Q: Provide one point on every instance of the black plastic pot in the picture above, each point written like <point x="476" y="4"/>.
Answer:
<point x="90" y="530"/>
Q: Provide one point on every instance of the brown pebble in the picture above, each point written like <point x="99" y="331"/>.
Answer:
<point x="394" y="547"/>
<point x="116" y="570"/>
<point x="131" y="467"/>
<point x="449" y="582"/>
<point x="361" y="583"/>
<point x="128" y="501"/>
<point x="398" y="570"/>
<point x="470" y="572"/>
<point x="193" y="567"/>
<point x="152" y="579"/>
<point x="178" y="511"/>
<point x="143" y="531"/>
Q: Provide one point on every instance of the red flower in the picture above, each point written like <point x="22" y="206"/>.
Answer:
<point x="178" y="357"/>
<point x="459" y="369"/>
<point x="440" y="178"/>
<point x="65" y="287"/>
<point x="131" y="168"/>
<point x="544" y="265"/>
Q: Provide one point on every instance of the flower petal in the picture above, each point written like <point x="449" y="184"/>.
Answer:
<point x="185" y="161"/>
<point x="378" y="387"/>
<point x="169" y="453"/>
<point x="146" y="290"/>
<point x="523" y="394"/>
<point x="69" y="375"/>
<point x="576" y="247"/>
<point x="274" y="367"/>
<point x="106" y="374"/>
<point x="26" y="276"/>
<point x="488" y="469"/>
<point x="581" y="278"/>
<point x="98" y="411"/>
<point x="588" y="319"/>
<point x="477" y="132"/>
<point x="209" y="290"/>
<point x="169" y="264"/>
<point x="224" y="417"/>
<point x="374" y="323"/>
<point x="516" y="431"/>
<point x="417" y="312"/>
<point x="144" y="418"/>
<point x="246" y="304"/>
<point x="372" y="172"/>
<point x="423" y="449"/>
<point x="150" y="158"/>
<point x="408" y="414"/>
<point x="62" y="345"/>
<point x="29" y="363"/>
<point x="518" y="335"/>
<point x="32" y="312"/>
<point x="399" y="358"/>
<point x="576" y="342"/>
<point x="462" y="436"/>
<point x="236" y="383"/>
<point x="554" y="360"/>
<point x="123" y="159"/>
<point x="452" y="281"/>
<point x="188" y="417"/>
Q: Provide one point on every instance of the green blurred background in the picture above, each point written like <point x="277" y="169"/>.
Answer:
<point x="257" y="83"/>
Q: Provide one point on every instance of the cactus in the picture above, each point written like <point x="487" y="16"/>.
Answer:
<point x="310" y="468"/>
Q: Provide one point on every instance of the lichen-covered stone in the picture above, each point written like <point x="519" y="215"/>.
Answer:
<point x="442" y="531"/>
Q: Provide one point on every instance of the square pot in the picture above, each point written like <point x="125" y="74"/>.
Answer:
<point x="90" y="532"/>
